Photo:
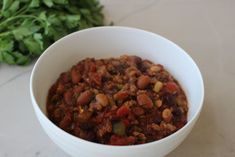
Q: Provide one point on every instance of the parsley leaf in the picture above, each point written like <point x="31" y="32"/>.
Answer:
<point x="28" y="27"/>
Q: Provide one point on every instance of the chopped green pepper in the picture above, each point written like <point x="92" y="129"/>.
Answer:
<point x="119" y="128"/>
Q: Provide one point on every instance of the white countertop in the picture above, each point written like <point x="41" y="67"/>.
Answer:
<point x="204" y="28"/>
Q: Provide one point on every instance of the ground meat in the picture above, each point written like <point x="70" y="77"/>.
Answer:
<point x="117" y="101"/>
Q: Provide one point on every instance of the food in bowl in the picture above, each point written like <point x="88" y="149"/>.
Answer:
<point x="112" y="41"/>
<point x="117" y="101"/>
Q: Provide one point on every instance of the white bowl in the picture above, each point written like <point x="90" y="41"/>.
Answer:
<point x="103" y="42"/>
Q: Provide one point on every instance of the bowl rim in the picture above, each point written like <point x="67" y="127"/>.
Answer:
<point x="36" y="106"/>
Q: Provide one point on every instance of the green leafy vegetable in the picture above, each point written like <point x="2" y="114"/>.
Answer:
<point x="28" y="27"/>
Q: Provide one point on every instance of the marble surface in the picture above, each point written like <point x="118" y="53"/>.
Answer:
<point x="204" y="28"/>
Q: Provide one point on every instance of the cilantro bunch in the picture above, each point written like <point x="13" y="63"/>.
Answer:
<point x="27" y="27"/>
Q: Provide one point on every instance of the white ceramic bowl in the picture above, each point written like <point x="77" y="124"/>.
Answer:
<point x="103" y="42"/>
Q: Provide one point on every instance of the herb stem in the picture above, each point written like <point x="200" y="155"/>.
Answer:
<point x="21" y="16"/>
<point x="23" y="10"/>
<point x="5" y="33"/>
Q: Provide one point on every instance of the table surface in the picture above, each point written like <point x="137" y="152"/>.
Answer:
<point x="204" y="28"/>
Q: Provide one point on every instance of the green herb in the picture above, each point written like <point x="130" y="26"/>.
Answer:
<point x="28" y="27"/>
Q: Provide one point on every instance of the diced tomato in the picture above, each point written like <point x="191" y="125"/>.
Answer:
<point x="126" y="122"/>
<point x="171" y="87"/>
<point x="123" y="111"/>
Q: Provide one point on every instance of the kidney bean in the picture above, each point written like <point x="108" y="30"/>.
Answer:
<point x="146" y="64"/>
<point x="85" y="97"/>
<point x="68" y="97"/>
<point x="64" y="77"/>
<point x="95" y="78"/>
<point x="65" y="122"/>
<point x="135" y="60"/>
<point x="143" y="81"/>
<point x="102" y="70"/>
<point x="144" y="100"/>
<point x="78" y="89"/>
<point x="89" y="65"/>
<point x="76" y="77"/>
<point x="60" y="88"/>
<point x="80" y="68"/>
<point x="121" y="95"/>
<point x="58" y="114"/>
